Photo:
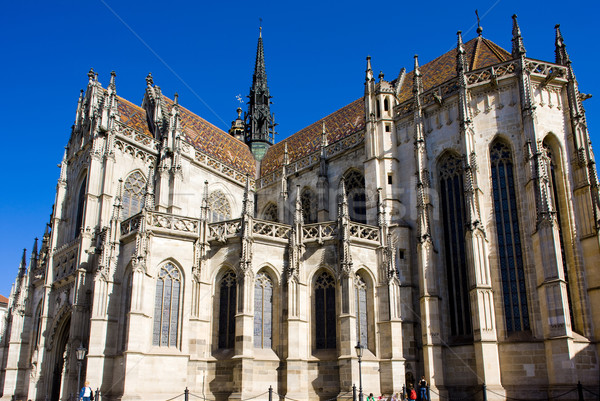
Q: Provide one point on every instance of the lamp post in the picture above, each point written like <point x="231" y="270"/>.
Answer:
<point x="359" y="353"/>
<point x="80" y="355"/>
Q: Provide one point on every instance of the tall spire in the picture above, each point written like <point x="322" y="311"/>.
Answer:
<point x="518" y="48"/>
<point x="562" y="57"/>
<point x="461" y="57"/>
<point x="260" y="123"/>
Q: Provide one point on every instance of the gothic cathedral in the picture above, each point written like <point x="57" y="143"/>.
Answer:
<point x="445" y="224"/>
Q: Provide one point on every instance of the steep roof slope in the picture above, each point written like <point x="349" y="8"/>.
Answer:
<point x="349" y="119"/>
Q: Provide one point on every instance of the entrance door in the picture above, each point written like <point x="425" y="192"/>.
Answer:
<point x="59" y="359"/>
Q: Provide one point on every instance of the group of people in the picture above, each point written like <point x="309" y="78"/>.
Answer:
<point x="411" y="393"/>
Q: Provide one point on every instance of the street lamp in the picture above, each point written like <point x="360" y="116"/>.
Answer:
<point x="359" y="353"/>
<point x="80" y="355"/>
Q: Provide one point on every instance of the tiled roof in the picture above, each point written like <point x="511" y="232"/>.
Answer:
<point x="3" y="300"/>
<point x="133" y="116"/>
<point x="338" y="125"/>
<point x="480" y="53"/>
<point x="214" y="142"/>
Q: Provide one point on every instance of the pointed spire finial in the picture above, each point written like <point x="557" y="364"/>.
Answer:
<point x="562" y="57"/>
<point x="35" y="246"/>
<point x="205" y="206"/>
<point x="369" y="70"/>
<point x="417" y="71"/>
<point x="113" y="74"/>
<point x="149" y="192"/>
<point x="417" y="79"/>
<point x="91" y="74"/>
<point x="479" y="28"/>
<point x="324" y="141"/>
<point x="286" y="157"/>
<point x="176" y="98"/>
<point x="149" y="79"/>
<point x="461" y="58"/>
<point x="260" y="28"/>
<point x="23" y="265"/>
<point x="298" y="217"/>
<point x="518" y="48"/>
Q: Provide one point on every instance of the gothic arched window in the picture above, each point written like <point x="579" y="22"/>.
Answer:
<point x="166" y="306"/>
<point x="325" y="317"/>
<point x="133" y="194"/>
<point x="271" y="213"/>
<point x="80" y="208"/>
<point x="555" y="189"/>
<point x="263" y="311"/>
<point x="219" y="207"/>
<point x="362" y="324"/>
<point x="356" y="193"/>
<point x="309" y="206"/>
<point x="227" y="297"/>
<point x="509" y="239"/>
<point x="453" y="215"/>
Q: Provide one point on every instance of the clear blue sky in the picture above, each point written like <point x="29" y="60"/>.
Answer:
<point x="315" y="57"/>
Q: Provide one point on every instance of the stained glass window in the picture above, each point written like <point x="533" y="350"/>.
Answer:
<point x="361" y="311"/>
<point x="263" y="311"/>
<point x="227" y="297"/>
<point x="133" y="194"/>
<point x="357" y="200"/>
<point x="453" y="217"/>
<point x="270" y="212"/>
<point x="219" y="207"/>
<point x="554" y="188"/>
<point x="309" y="206"/>
<point x="509" y="240"/>
<point x="80" y="208"/>
<point x="325" y="317"/>
<point x="166" y="307"/>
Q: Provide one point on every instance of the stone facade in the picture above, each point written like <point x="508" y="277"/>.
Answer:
<point x="447" y="221"/>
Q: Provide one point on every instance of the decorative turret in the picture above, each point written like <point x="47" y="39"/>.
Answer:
<point x="237" y="126"/>
<point x="260" y="123"/>
<point x="518" y="48"/>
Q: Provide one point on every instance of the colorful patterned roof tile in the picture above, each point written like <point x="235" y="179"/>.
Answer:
<point x="480" y="53"/>
<point x="216" y="143"/>
<point x="133" y="116"/>
<point x="338" y="125"/>
<point x="346" y="121"/>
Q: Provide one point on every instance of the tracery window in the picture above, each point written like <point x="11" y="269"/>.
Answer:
<point x="227" y="296"/>
<point x="219" y="207"/>
<point x="509" y="239"/>
<point x="361" y="311"/>
<point x="357" y="200"/>
<point x="271" y="213"/>
<point x="80" y="208"/>
<point x="166" y="306"/>
<point x="554" y="189"/>
<point x="263" y="311"/>
<point x="133" y="194"/>
<point x="325" y="317"/>
<point x="309" y="206"/>
<point x="453" y="218"/>
<point x="37" y="326"/>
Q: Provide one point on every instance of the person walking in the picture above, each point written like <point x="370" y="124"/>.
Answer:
<point x="86" y="393"/>
<point x="423" y="388"/>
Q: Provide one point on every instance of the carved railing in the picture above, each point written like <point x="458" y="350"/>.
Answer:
<point x="543" y="68"/>
<point x="224" y="229"/>
<point x="491" y="73"/>
<point x="65" y="259"/>
<point x="131" y="225"/>
<point x="135" y="136"/>
<point x="172" y="222"/>
<point x="270" y="229"/>
<point x="319" y="231"/>
<point x="364" y="232"/>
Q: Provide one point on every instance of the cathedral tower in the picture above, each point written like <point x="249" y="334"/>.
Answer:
<point x="260" y="123"/>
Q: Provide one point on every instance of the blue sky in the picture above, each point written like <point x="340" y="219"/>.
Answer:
<point x="315" y="57"/>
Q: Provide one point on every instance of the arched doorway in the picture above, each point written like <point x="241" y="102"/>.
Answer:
<point x="60" y="358"/>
